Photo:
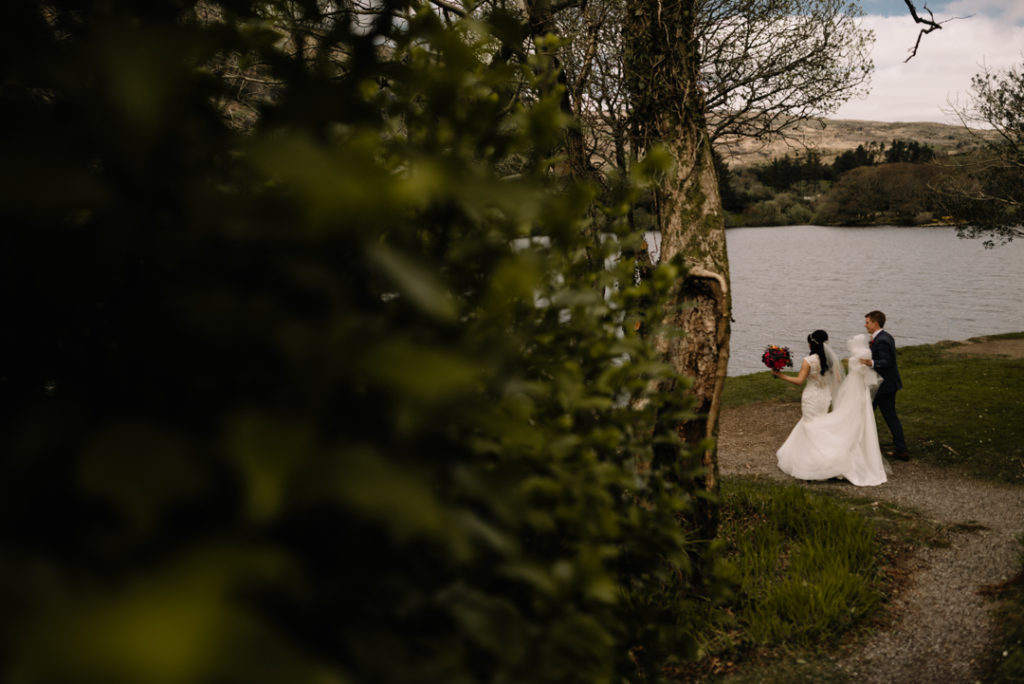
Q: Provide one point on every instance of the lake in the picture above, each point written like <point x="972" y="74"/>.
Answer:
<point x="932" y="286"/>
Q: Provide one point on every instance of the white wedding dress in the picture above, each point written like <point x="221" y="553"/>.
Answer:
<point x="843" y="442"/>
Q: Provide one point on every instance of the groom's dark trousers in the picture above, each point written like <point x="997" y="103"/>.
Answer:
<point x="883" y="356"/>
<point x="886" y="403"/>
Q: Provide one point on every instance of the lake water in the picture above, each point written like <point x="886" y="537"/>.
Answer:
<point x="932" y="286"/>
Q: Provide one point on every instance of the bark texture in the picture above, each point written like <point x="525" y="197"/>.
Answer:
<point x="662" y="72"/>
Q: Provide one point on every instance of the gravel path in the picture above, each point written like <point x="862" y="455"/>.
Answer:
<point x="943" y="628"/>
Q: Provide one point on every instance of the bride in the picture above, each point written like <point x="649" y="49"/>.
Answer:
<point x="843" y="442"/>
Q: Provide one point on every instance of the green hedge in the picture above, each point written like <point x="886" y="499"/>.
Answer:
<point x="301" y="399"/>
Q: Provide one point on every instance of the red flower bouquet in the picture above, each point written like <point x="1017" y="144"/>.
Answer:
<point x="776" y="357"/>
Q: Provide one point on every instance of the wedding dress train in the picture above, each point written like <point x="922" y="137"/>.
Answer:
<point x="844" y="442"/>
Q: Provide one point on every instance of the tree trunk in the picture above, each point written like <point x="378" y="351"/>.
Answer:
<point x="668" y="109"/>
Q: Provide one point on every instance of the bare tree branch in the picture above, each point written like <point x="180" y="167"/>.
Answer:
<point x="566" y="4"/>
<point x="454" y="9"/>
<point x="930" y="25"/>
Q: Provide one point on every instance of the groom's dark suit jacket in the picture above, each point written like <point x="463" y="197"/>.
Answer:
<point x="883" y="354"/>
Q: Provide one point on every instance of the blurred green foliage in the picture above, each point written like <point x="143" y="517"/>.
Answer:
<point x="351" y="389"/>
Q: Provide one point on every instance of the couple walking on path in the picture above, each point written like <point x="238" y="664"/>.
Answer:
<point x="843" y="442"/>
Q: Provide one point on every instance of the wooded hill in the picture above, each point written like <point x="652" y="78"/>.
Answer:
<point x="831" y="137"/>
<point x="846" y="172"/>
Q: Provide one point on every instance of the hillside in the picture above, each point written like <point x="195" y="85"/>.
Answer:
<point x="832" y="137"/>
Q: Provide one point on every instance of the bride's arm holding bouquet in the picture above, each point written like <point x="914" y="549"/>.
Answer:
<point x="798" y="379"/>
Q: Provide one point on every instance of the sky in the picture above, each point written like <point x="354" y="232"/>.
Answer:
<point x="975" y="34"/>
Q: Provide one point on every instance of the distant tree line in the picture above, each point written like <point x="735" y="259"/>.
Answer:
<point x="782" y="173"/>
<point x="898" y="152"/>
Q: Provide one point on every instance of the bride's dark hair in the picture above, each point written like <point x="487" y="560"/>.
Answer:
<point x="817" y="340"/>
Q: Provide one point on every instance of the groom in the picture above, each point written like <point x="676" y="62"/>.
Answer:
<point x="883" y="360"/>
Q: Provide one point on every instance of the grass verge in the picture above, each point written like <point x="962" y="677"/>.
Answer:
<point x="809" y="570"/>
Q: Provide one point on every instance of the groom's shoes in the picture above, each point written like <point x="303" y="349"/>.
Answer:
<point x="901" y="455"/>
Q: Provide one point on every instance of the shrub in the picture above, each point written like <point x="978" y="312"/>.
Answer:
<point x="766" y="213"/>
<point x="798" y="214"/>
<point x="889" y="193"/>
<point x="347" y="396"/>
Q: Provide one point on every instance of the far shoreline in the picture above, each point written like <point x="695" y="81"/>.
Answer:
<point x="859" y="225"/>
<point x="1008" y="345"/>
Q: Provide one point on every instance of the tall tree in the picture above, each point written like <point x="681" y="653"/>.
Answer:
<point x="668" y="113"/>
<point x="765" y="65"/>
<point x="985" y="191"/>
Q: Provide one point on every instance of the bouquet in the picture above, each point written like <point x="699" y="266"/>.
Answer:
<point x="776" y="357"/>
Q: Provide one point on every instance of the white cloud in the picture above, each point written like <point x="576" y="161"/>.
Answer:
<point x="1003" y="10"/>
<point x="921" y="89"/>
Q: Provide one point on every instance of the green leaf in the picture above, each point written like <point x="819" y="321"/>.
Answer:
<point x="423" y="288"/>
<point x="421" y="372"/>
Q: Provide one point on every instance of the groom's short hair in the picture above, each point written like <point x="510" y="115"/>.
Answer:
<point x="877" y="316"/>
